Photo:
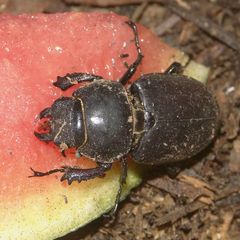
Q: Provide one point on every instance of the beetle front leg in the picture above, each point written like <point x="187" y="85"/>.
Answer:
<point x="72" y="174"/>
<point x="76" y="174"/>
<point x="69" y="80"/>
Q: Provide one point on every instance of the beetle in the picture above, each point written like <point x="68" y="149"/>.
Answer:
<point x="160" y="118"/>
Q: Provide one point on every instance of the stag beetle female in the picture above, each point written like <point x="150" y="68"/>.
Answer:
<point x="160" y="118"/>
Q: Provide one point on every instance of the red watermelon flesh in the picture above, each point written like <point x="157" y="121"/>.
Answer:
<point x="34" y="50"/>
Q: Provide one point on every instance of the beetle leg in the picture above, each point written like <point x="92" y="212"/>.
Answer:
<point x="122" y="180"/>
<point x="76" y="174"/>
<point x="69" y="80"/>
<point x="174" y="68"/>
<point x="42" y="174"/>
<point x="133" y="67"/>
<point x="173" y="171"/>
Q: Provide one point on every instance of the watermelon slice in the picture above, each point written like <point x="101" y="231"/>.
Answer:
<point x="34" y="50"/>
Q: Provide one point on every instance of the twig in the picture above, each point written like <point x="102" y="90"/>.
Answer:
<point x="173" y="216"/>
<point x="139" y="11"/>
<point x="176" y="188"/>
<point x="204" y="23"/>
<point x="180" y="212"/>
<point x="104" y="3"/>
<point x="167" y="24"/>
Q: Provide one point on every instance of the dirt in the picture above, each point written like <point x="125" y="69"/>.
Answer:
<point x="200" y="200"/>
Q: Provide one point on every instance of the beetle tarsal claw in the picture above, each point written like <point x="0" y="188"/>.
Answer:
<point x="36" y="173"/>
<point x="41" y="174"/>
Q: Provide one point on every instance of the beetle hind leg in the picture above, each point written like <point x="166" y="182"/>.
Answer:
<point x="122" y="181"/>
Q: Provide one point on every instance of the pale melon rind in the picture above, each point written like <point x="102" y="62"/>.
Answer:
<point x="191" y="67"/>
<point x="62" y="209"/>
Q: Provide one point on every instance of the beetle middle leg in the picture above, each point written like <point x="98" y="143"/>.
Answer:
<point x="133" y="67"/>
<point x="69" y="80"/>
<point x="72" y="174"/>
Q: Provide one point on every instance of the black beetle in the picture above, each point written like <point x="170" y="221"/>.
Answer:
<point x="161" y="118"/>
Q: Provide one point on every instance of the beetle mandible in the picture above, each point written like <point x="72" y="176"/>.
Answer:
<point x="160" y="118"/>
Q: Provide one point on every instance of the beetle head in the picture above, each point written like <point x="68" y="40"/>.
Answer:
<point x="63" y="123"/>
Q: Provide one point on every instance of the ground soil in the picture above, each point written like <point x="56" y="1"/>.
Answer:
<point x="202" y="199"/>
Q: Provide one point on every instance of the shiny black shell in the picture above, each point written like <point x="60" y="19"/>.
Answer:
<point x="180" y="118"/>
<point x="108" y="118"/>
